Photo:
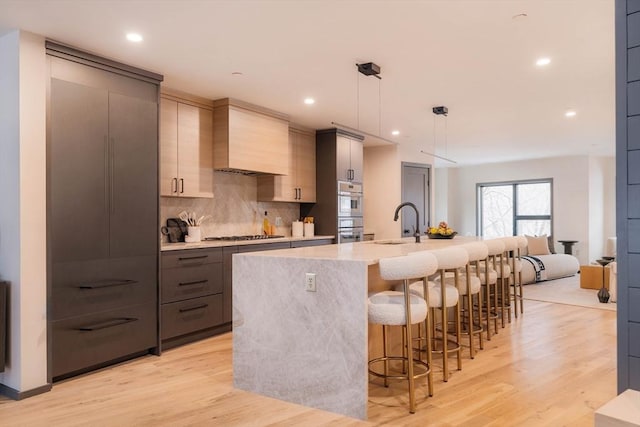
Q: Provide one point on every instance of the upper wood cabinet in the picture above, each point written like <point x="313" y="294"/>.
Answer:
<point x="249" y="138"/>
<point x="299" y="184"/>
<point x="186" y="147"/>
<point x="349" y="158"/>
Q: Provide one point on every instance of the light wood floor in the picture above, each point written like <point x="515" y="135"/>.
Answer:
<point x="553" y="367"/>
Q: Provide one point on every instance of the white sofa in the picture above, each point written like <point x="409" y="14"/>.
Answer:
<point x="554" y="266"/>
<point x="542" y="264"/>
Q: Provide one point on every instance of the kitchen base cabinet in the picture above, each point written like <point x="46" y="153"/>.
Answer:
<point x="191" y="295"/>
<point x="84" y="343"/>
<point x="184" y="317"/>
<point x="196" y="290"/>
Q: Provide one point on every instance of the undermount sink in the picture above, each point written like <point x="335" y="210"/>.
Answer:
<point x="390" y="242"/>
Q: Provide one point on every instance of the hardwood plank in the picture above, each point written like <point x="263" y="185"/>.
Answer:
<point x="554" y="366"/>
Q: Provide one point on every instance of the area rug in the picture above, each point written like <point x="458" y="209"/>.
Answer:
<point x="565" y="291"/>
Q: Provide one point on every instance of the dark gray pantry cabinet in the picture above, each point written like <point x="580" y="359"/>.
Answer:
<point x="102" y="202"/>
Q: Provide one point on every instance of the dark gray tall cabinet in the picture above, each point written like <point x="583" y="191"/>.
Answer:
<point x="102" y="191"/>
<point x="628" y="191"/>
<point x="339" y="157"/>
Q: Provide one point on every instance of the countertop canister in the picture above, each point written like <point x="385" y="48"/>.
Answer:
<point x="309" y="229"/>
<point x="296" y="229"/>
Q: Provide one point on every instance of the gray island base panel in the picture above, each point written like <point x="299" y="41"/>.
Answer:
<point x="311" y="348"/>
<point x="303" y="347"/>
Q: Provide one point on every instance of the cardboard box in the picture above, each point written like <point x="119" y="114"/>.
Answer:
<point x="591" y="276"/>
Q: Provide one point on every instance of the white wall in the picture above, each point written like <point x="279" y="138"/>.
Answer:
<point x="572" y="203"/>
<point x="382" y="182"/>
<point x="602" y="201"/>
<point x="383" y="187"/>
<point x="440" y="190"/>
<point x="23" y="80"/>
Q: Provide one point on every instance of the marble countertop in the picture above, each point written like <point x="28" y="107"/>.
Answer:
<point x="222" y="243"/>
<point x="369" y="252"/>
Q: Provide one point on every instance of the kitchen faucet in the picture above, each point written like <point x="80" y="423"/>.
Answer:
<point x="395" y="218"/>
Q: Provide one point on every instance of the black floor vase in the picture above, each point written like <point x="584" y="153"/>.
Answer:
<point x="603" y="295"/>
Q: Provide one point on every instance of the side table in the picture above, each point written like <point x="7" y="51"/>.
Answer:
<point x="568" y="245"/>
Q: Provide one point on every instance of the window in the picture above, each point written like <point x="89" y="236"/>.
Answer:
<point x="515" y="208"/>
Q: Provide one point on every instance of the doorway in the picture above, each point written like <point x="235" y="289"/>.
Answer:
<point x="416" y="189"/>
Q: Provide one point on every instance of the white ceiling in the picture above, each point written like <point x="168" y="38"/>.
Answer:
<point x="472" y="56"/>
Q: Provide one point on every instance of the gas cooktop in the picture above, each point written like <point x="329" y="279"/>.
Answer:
<point x="247" y="237"/>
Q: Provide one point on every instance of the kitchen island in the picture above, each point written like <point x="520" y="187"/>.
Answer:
<point x="304" y="347"/>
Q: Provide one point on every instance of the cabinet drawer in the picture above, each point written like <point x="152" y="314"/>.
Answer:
<point x="306" y="243"/>
<point x="180" y="318"/>
<point x="191" y="257"/>
<point x="86" y="287"/>
<point x="85" y="341"/>
<point x="191" y="282"/>
<point x="264" y="247"/>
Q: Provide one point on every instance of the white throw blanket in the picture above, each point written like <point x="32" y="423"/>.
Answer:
<point x="538" y="267"/>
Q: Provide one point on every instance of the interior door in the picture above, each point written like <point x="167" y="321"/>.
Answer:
<point x="415" y="189"/>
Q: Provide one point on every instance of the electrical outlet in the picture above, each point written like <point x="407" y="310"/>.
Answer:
<point x="310" y="282"/>
<point x="279" y="221"/>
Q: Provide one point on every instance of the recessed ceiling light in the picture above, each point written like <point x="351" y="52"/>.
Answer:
<point x="395" y="132"/>
<point x="541" y="62"/>
<point x="134" y="37"/>
<point x="309" y="101"/>
<point x="570" y="113"/>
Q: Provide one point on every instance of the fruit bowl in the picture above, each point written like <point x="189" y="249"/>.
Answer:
<point x="441" y="236"/>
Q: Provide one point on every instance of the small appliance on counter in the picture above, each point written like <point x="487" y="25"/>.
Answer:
<point x="175" y="230"/>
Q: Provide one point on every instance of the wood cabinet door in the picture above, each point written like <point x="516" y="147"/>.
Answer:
<point x="305" y="157"/>
<point x="284" y="186"/>
<point x="168" y="147"/>
<point x="78" y="172"/>
<point x="133" y="138"/>
<point x="357" y="160"/>
<point x="195" y="151"/>
<point x="343" y="158"/>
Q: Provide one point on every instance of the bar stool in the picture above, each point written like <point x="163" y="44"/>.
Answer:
<point x="469" y="286"/>
<point x="505" y="271"/>
<point x="489" y="281"/>
<point x="405" y="309"/>
<point x="518" y="296"/>
<point x="443" y="298"/>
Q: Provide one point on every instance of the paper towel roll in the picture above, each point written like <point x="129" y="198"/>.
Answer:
<point x="296" y="229"/>
<point x="308" y="229"/>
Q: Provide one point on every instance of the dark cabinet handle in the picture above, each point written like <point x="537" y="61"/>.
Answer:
<point x="106" y="173"/>
<point x="174" y="185"/>
<point x="181" y="185"/>
<point x="107" y="284"/>
<point x="107" y="324"/>
<point x="197" y="282"/>
<point x="191" y="258"/>
<point x="112" y="150"/>
<point x="197" y="307"/>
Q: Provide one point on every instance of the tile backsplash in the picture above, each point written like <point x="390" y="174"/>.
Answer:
<point x="234" y="208"/>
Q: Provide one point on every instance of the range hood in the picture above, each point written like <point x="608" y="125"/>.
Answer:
<point x="248" y="139"/>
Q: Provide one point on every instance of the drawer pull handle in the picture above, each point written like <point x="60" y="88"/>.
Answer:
<point x="107" y="284"/>
<point x="190" y="258"/>
<point x="197" y="307"/>
<point x="107" y="324"/>
<point x="197" y="282"/>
